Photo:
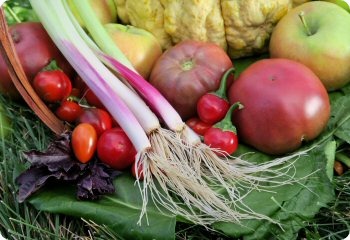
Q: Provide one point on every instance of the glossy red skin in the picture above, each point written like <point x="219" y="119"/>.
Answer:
<point x="100" y="119"/>
<point x="92" y="99"/>
<point x="198" y="126"/>
<point x="35" y="50"/>
<point x="84" y="142"/>
<point x="69" y="111"/>
<point x="52" y="86"/>
<point x="211" y="108"/>
<point x="226" y="141"/>
<point x="284" y="104"/>
<point x="183" y="88"/>
<point x="115" y="149"/>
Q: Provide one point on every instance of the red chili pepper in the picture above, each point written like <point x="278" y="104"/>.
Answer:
<point x="198" y="126"/>
<point x="213" y="106"/>
<point x="223" y="135"/>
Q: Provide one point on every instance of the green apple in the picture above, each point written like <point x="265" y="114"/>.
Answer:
<point x="342" y="3"/>
<point x="139" y="46"/>
<point x="105" y="10"/>
<point x="316" y="34"/>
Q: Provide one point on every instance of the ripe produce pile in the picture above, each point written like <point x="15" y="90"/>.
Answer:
<point x="201" y="130"/>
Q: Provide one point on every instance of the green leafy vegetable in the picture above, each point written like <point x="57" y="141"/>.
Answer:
<point x="120" y="211"/>
<point x="19" y="11"/>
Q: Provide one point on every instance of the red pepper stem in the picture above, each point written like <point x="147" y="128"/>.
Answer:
<point x="221" y="92"/>
<point x="226" y="123"/>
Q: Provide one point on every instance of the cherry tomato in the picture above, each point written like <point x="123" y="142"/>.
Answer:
<point x="78" y="83"/>
<point x="52" y="86"/>
<point x="84" y="142"/>
<point x="223" y="135"/>
<point x="198" y="126"/>
<point x="212" y="107"/>
<point x="92" y="99"/>
<point x="140" y="172"/>
<point x="100" y="119"/>
<point x="75" y="92"/>
<point x="115" y="149"/>
<point x="69" y="111"/>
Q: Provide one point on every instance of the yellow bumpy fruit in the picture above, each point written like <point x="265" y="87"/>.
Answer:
<point x="242" y="28"/>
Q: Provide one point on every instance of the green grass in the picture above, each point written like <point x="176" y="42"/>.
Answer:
<point x="22" y="221"/>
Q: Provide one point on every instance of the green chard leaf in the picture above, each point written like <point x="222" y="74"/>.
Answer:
<point x="119" y="211"/>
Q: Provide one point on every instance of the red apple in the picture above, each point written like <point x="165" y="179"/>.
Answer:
<point x="139" y="46"/>
<point x="35" y="50"/>
<point x="316" y="34"/>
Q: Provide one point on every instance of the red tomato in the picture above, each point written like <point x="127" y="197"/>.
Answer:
<point x="139" y="173"/>
<point x="84" y="141"/>
<point x="79" y="83"/>
<point x="52" y="86"/>
<point x="92" y="99"/>
<point x="100" y="119"/>
<point x="187" y="71"/>
<point x="115" y="149"/>
<point x="285" y="105"/>
<point x="198" y="126"/>
<point x="69" y="111"/>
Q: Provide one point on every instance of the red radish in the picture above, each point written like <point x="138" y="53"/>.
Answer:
<point x="212" y="106"/>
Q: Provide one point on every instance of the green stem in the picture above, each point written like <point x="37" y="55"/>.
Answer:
<point x="11" y="12"/>
<point x="98" y="32"/>
<point x="226" y="123"/>
<point x="302" y="18"/>
<point x="52" y="66"/>
<point x="341" y="157"/>
<point x="221" y="92"/>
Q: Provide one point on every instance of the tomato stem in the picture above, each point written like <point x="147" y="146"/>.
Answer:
<point x="221" y="92"/>
<point x="52" y="66"/>
<point x="226" y="123"/>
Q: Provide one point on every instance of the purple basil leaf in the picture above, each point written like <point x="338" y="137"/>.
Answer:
<point x="30" y="181"/>
<point x="96" y="181"/>
<point x="58" y="163"/>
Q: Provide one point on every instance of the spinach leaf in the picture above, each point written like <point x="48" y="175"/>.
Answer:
<point x="19" y="11"/>
<point x="120" y="211"/>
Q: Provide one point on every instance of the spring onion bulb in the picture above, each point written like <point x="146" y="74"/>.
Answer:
<point x="157" y="150"/>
